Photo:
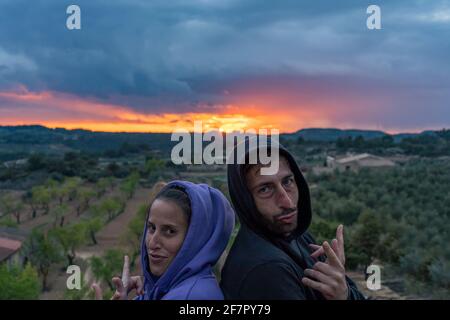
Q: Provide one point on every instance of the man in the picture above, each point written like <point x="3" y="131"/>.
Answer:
<point x="273" y="255"/>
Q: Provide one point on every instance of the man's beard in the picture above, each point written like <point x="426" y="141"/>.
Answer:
<point x="278" y="227"/>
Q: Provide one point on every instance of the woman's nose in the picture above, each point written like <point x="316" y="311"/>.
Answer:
<point x="153" y="241"/>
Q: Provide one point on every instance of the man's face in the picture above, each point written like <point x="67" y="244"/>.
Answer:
<point x="276" y="197"/>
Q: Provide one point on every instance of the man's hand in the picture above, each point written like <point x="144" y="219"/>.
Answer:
<point x="123" y="285"/>
<point x="337" y="244"/>
<point x="329" y="275"/>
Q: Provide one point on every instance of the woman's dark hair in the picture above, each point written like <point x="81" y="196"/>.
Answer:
<point x="177" y="195"/>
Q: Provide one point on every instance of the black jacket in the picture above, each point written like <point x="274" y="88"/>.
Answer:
<point x="261" y="265"/>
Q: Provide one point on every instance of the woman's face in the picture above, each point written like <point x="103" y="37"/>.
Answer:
<point x="166" y="229"/>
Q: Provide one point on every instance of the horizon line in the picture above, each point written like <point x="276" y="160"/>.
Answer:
<point x="397" y="132"/>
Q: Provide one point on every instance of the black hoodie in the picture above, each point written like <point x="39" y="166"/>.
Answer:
<point x="261" y="265"/>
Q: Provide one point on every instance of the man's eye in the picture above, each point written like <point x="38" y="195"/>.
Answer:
<point x="151" y="227"/>
<point x="264" y="190"/>
<point x="289" y="181"/>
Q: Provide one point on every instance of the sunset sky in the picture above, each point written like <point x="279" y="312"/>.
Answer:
<point x="158" y="65"/>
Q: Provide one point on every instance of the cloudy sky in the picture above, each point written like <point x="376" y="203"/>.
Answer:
<point x="154" y="65"/>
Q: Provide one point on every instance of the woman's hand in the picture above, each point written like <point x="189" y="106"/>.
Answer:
<point x="123" y="285"/>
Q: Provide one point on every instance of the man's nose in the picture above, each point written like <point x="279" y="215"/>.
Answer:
<point x="284" y="200"/>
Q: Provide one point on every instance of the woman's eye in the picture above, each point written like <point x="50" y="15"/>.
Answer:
<point x="170" y="232"/>
<point x="151" y="227"/>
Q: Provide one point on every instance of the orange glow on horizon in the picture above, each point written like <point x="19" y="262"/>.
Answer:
<point x="165" y="123"/>
<point x="62" y="110"/>
<point x="59" y="110"/>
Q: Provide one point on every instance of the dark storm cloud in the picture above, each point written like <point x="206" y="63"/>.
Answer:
<point x="173" y="55"/>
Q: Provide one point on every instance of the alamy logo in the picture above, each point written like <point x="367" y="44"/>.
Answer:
<point x="373" y="281"/>
<point x="73" y="21"/>
<point x="258" y="146"/>
<point x="374" y="20"/>
<point x="74" y="280"/>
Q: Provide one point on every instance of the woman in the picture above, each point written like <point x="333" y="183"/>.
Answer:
<point x="187" y="229"/>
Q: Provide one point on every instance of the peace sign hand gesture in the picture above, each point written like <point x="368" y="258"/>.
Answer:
<point x="329" y="276"/>
<point x="123" y="285"/>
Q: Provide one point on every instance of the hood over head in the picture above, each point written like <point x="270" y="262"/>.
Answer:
<point x="243" y="201"/>
<point x="209" y="230"/>
<point x="244" y="204"/>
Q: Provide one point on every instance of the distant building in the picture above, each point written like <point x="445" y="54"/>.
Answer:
<point x="355" y="162"/>
<point x="9" y="250"/>
<point x="11" y="241"/>
<point x="330" y="162"/>
<point x="15" y="163"/>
